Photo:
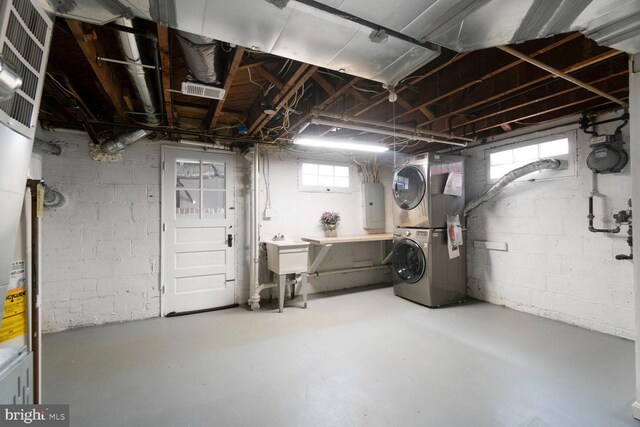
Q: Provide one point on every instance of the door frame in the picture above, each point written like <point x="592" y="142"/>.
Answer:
<point x="196" y="150"/>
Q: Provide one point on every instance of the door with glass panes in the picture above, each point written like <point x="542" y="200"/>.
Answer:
<point x="198" y="236"/>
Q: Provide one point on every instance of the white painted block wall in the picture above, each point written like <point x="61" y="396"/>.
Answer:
<point x="554" y="266"/>
<point x="101" y="253"/>
<point x="297" y="214"/>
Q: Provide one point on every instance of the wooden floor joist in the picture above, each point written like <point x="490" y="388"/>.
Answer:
<point x="165" y="59"/>
<point x="216" y="108"/>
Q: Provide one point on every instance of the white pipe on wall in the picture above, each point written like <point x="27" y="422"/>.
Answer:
<point x="254" y="285"/>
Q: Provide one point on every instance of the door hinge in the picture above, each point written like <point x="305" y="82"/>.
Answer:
<point x="163" y="165"/>
<point x="162" y="289"/>
<point x="164" y="228"/>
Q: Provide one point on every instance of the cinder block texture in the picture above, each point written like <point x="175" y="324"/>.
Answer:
<point x="554" y="266"/>
<point x="101" y="252"/>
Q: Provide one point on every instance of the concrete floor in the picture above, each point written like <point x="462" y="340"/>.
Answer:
<point x="352" y="359"/>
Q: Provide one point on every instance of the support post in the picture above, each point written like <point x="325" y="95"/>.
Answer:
<point x="254" y="289"/>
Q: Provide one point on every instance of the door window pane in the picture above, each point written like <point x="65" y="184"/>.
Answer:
<point x="213" y="176"/>
<point x="187" y="204"/>
<point x="213" y="204"/>
<point x="188" y="174"/>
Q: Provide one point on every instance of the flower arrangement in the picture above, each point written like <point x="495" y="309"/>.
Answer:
<point x="330" y="218"/>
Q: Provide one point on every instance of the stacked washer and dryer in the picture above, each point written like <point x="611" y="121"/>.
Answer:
<point x="423" y="269"/>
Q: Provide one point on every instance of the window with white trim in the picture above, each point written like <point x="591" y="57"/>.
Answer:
<point x="324" y="177"/>
<point x="503" y="160"/>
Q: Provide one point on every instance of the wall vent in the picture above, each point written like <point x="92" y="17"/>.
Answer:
<point x="202" y="91"/>
<point x="25" y="35"/>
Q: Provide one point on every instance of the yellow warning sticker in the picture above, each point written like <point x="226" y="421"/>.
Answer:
<point x="14" y="318"/>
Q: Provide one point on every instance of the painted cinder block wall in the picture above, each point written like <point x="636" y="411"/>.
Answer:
<point x="101" y="252"/>
<point x="554" y="266"/>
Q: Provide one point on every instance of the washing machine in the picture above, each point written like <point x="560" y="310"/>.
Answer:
<point x="423" y="272"/>
<point x="421" y="196"/>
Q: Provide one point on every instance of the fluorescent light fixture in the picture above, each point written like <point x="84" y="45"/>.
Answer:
<point x="340" y="144"/>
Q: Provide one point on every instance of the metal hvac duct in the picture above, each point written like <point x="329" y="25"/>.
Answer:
<point x="202" y="55"/>
<point x="131" y="51"/>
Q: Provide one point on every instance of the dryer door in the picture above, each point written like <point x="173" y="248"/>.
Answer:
<point x="409" y="186"/>
<point x="408" y="260"/>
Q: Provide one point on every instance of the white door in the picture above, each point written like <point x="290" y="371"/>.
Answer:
<point x="198" y="238"/>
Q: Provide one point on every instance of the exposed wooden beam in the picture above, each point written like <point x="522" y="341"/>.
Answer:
<point x="363" y="108"/>
<point x="488" y="76"/>
<point x="534" y="99"/>
<point x="550" y="110"/>
<point x="214" y="112"/>
<point x="559" y="73"/>
<point x="486" y="99"/>
<point x="359" y="110"/>
<point x="269" y="77"/>
<point x="92" y="48"/>
<point x="165" y="59"/>
<point x="338" y="93"/>
<point x="324" y="84"/>
<point x="301" y="75"/>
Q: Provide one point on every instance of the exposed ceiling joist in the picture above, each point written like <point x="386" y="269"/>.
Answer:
<point x="214" y="112"/>
<point x="490" y="95"/>
<point x="165" y="59"/>
<point x="92" y="48"/>
<point x="301" y="75"/>
<point x="561" y="74"/>
<point x="488" y="76"/>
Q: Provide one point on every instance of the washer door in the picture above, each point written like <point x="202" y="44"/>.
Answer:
<point x="408" y="187"/>
<point x="408" y="261"/>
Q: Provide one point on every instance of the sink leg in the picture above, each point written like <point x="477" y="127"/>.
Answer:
<point x="282" y="279"/>
<point x="303" y="280"/>
<point x="293" y="287"/>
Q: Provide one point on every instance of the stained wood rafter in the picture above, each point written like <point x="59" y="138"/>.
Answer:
<point x="214" y="111"/>
<point x="529" y="83"/>
<point x="300" y="77"/>
<point x="92" y="48"/>
<point x="488" y="76"/>
<point x="165" y="59"/>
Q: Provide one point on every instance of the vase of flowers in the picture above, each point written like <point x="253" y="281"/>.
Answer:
<point x="330" y="222"/>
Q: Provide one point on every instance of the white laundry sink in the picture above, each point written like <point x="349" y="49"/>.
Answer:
<point x="287" y="256"/>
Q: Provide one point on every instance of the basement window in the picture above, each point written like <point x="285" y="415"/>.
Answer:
<point x="324" y="177"/>
<point x="503" y="160"/>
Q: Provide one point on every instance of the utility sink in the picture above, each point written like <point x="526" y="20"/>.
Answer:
<point x="287" y="256"/>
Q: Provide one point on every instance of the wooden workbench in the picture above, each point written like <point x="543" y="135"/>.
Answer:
<point x="327" y="242"/>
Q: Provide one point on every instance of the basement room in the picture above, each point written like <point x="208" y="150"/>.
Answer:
<point x="319" y="213"/>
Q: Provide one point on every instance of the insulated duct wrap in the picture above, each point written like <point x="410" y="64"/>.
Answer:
<point x="202" y="55"/>
<point x="122" y="141"/>
<point x="496" y="188"/>
<point x="131" y="52"/>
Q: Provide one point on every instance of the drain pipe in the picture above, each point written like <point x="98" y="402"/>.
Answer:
<point x="496" y="188"/>
<point x="131" y="51"/>
<point x="254" y="289"/>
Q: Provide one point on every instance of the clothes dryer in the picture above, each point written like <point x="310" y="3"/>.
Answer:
<point x="422" y="269"/>
<point x="422" y="198"/>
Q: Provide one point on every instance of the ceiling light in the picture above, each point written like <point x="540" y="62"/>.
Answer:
<point x="340" y="144"/>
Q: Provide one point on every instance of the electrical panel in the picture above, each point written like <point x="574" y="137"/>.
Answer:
<point x="373" y="206"/>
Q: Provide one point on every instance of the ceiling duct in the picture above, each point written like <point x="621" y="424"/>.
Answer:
<point x="203" y="57"/>
<point x="131" y="51"/>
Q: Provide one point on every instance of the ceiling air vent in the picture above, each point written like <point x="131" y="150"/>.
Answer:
<point x="202" y="91"/>
<point x="25" y="34"/>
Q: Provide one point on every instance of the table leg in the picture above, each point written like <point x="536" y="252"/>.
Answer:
<point x="293" y="287"/>
<point x="282" y="280"/>
<point x="303" y="280"/>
